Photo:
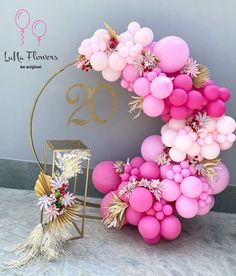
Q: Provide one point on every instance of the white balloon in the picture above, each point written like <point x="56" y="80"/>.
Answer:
<point x="116" y="62"/>
<point x="226" y="125"/>
<point x="183" y="142"/>
<point x="133" y="27"/>
<point x="168" y="137"/>
<point x="194" y="150"/>
<point x="210" y="125"/>
<point x="164" y="128"/>
<point x="144" y="36"/>
<point x="99" y="61"/>
<point x="110" y="75"/>
<point x="210" y="151"/>
<point x="226" y="145"/>
<point x="101" y="34"/>
<point x="176" y="124"/>
<point x="126" y="36"/>
<point x="177" y="155"/>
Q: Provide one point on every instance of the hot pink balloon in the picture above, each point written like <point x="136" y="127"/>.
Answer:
<point x="149" y="170"/>
<point x="149" y="227"/>
<point x="153" y="241"/>
<point x="184" y="82"/>
<point x="22" y="20"/>
<point x="137" y="161"/>
<point x="173" y="53"/>
<point x="39" y="29"/>
<point x="133" y="217"/>
<point x="141" y="199"/>
<point x="170" y="227"/>
<point x="104" y="177"/>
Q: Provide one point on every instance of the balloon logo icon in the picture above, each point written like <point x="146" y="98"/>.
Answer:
<point x="39" y="29"/>
<point x="22" y="20"/>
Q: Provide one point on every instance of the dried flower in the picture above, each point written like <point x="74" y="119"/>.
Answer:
<point x="44" y="202"/>
<point x="202" y="77"/>
<point x="163" y="158"/>
<point x="68" y="199"/>
<point x="57" y="183"/>
<point x="52" y="212"/>
<point x="119" y="166"/>
<point x="191" y="68"/>
<point x="136" y="105"/>
<point x="198" y="122"/>
<point x="207" y="167"/>
<point x="83" y="63"/>
<point x="145" y="62"/>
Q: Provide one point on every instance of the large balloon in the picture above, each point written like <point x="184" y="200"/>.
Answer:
<point x="151" y="146"/>
<point x="104" y="177"/>
<point x="173" y="53"/>
<point x="220" y="180"/>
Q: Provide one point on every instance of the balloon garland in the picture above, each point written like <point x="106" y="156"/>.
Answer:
<point x="179" y="172"/>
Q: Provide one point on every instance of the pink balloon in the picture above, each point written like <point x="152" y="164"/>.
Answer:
<point x="132" y="216"/>
<point x="136" y="162"/>
<point x="195" y="99"/>
<point x="216" y="108"/>
<point x="105" y="203"/>
<point x="170" y="227"/>
<point x="122" y="197"/>
<point x="151" y="146"/>
<point x="153" y="241"/>
<point x="170" y="191"/>
<point x="129" y="73"/>
<point x="163" y="170"/>
<point x="211" y="92"/>
<point x="161" y="87"/>
<point x="104" y="177"/>
<point x="152" y="106"/>
<point x="149" y="170"/>
<point x="149" y="227"/>
<point x="173" y="53"/>
<point x="142" y="87"/>
<point x="220" y="180"/>
<point x="191" y="186"/>
<point x="224" y="94"/>
<point x="204" y="210"/>
<point x="141" y="199"/>
<point x="178" y="97"/>
<point x="179" y="112"/>
<point x="186" y="207"/>
<point x="184" y="82"/>
<point x="39" y="29"/>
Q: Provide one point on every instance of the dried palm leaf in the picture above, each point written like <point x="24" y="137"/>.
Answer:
<point x="207" y="168"/>
<point x="110" y="31"/>
<point x="42" y="185"/>
<point x="136" y="105"/>
<point x="115" y="213"/>
<point x="202" y="76"/>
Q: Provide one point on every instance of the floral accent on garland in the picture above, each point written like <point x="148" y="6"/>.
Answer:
<point x="207" y="167"/>
<point x="163" y="158"/>
<point x="146" y="62"/>
<point x="191" y="68"/>
<point x="115" y="213"/>
<point x="136" y="105"/>
<point x="83" y="63"/>
<point x="154" y="186"/>
<point x="119" y="167"/>
<point x="113" y="40"/>
<point x="199" y="121"/>
<point x="202" y="77"/>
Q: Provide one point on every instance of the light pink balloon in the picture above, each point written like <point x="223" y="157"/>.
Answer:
<point x="170" y="227"/>
<point x="132" y="216"/>
<point x="151" y="146"/>
<point x="129" y="73"/>
<point x="163" y="171"/>
<point x="171" y="190"/>
<point x="141" y="199"/>
<point x="220" y="180"/>
<point x="142" y="87"/>
<point x="191" y="186"/>
<point x="104" y="177"/>
<point x="186" y="207"/>
<point x="161" y="87"/>
<point x="149" y="227"/>
<point x="173" y="53"/>
<point x="152" y="106"/>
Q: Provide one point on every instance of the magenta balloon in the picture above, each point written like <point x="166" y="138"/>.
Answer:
<point x="173" y="53"/>
<point x="137" y="161"/>
<point x="211" y="92"/>
<point x="132" y="216"/>
<point x="152" y="106"/>
<point x="105" y="203"/>
<point x="149" y="170"/>
<point x="184" y="82"/>
<point x="178" y="97"/>
<point x="216" y="108"/>
<point x="104" y="177"/>
<point x="149" y="227"/>
<point x="153" y="241"/>
<point x="141" y="199"/>
<point x="224" y="94"/>
<point x="220" y="180"/>
<point x="151" y="146"/>
<point x="170" y="227"/>
<point x="179" y="112"/>
<point x="195" y="99"/>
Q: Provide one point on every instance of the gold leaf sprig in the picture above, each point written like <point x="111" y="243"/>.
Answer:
<point x="136" y="105"/>
<point x="115" y="213"/>
<point x="202" y="76"/>
<point x="207" y="167"/>
<point x="110" y="31"/>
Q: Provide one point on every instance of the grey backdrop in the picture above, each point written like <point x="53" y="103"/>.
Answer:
<point x="207" y="26"/>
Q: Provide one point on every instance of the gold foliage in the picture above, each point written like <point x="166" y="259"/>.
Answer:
<point x="115" y="213"/>
<point x="202" y="76"/>
<point x="110" y="31"/>
<point x="136" y="105"/>
<point x="42" y="185"/>
<point x="207" y="167"/>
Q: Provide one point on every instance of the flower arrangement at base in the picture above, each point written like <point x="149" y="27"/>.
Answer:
<point x="59" y="211"/>
<point x="179" y="172"/>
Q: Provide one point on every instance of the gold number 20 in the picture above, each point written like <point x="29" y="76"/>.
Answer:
<point x="89" y="102"/>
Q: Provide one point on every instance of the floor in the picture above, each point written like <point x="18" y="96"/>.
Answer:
<point x="207" y="245"/>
